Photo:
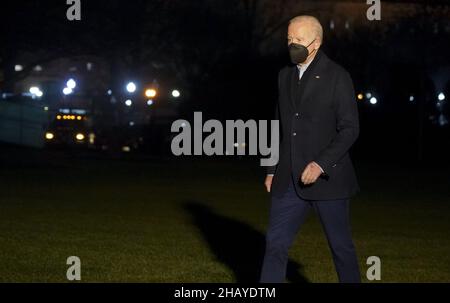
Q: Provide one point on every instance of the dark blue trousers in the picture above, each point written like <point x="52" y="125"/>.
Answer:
<point x="287" y="214"/>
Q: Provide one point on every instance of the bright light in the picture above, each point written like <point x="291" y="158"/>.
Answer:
<point x="176" y="93"/>
<point x="67" y="91"/>
<point x="18" y="67"/>
<point x="368" y="95"/>
<point x="151" y="93"/>
<point x="441" y="97"/>
<point x="58" y="117"/>
<point x="360" y="96"/>
<point x="373" y="100"/>
<point x="91" y="138"/>
<point x="131" y="87"/>
<point x="34" y="90"/>
<point x="150" y="102"/>
<point x="46" y="108"/>
<point x="126" y="149"/>
<point x="79" y="137"/>
<point x="49" y="136"/>
<point x="79" y="118"/>
<point x="128" y="102"/>
<point x="411" y="98"/>
<point x="109" y="92"/>
<point x="71" y="84"/>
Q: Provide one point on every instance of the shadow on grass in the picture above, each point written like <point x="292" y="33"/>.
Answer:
<point x="236" y="244"/>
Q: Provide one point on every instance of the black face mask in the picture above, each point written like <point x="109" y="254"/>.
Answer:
<point x="298" y="53"/>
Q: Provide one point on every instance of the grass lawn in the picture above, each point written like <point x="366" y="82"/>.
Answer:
<point x="203" y="221"/>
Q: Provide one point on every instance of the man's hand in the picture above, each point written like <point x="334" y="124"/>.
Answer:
<point x="311" y="173"/>
<point x="268" y="183"/>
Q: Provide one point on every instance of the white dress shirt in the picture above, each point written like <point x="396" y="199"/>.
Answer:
<point x="302" y="68"/>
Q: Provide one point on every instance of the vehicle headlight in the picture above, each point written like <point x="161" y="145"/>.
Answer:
<point x="79" y="137"/>
<point x="49" y="136"/>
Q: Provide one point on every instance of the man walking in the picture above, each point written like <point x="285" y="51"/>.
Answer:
<point x="319" y="123"/>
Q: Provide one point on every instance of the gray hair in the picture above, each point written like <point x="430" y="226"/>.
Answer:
<point x="313" y="22"/>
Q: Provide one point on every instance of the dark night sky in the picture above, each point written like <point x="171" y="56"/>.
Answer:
<point x="212" y="50"/>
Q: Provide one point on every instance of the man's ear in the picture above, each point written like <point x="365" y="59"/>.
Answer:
<point x="317" y="44"/>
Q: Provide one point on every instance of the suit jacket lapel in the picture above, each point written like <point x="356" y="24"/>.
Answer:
<point x="293" y="80"/>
